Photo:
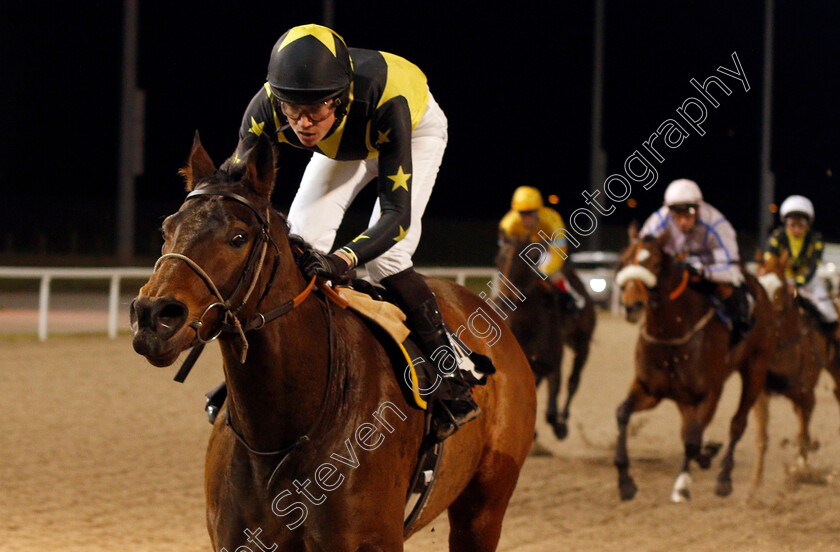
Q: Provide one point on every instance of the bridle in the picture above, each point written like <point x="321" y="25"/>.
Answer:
<point x="230" y="321"/>
<point x="673" y="295"/>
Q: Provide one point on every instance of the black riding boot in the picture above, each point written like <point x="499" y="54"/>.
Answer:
<point x="738" y="309"/>
<point x="830" y="331"/>
<point x="454" y="405"/>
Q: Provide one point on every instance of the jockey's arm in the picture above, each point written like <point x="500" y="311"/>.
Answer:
<point x="723" y="245"/>
<point x="391" y="135"/>
<point x="551" y="223"/>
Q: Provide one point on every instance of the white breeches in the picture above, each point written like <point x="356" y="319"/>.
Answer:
<point x="817" y="294"/>
<point x="328" y="187"/>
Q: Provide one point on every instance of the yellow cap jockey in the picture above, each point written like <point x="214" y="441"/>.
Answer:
<point x="527" y="217"/>
<point x="526" y="198"/>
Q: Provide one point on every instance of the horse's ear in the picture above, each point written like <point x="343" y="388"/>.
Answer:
<point x="662" y="239"/>
<point x="633" y="232"/>
<point x="199" y="165"/>
<point x="260" y="166"/>
<point x="784" y="258"/>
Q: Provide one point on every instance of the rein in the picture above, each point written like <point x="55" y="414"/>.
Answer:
<point x="686" y="337"/>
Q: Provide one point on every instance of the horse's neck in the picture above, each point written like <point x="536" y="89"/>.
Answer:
<point x="276" y="395"/>
<point x="675" y="316"/>
<point x="793" y="320"/>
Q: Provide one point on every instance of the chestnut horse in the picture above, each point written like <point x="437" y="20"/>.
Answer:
<point x="802" y="351"/>
<point x="542" y="328"/>
<point x="683" y="354"/>
<point x="317" y="443"/>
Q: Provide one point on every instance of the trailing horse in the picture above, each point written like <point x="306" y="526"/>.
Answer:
<point x="542" y="327"/>
<point x="318" y="441"/>
<point x="683" y="354"/>
<point x="802" y="351"/>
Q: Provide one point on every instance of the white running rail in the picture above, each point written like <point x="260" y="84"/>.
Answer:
<point x="116" y="275"/>
<point x="47" y="275"/>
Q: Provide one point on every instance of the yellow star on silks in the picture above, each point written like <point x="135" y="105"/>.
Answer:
<point x="321" y="33"/>
<point x="403" y="232"/>
<point x="400" y="180"/>
<point x="256" y="128"/>
<point x="383" y="137"/>
<point x="360" y="237"/>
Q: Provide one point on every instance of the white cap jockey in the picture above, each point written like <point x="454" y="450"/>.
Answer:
<point x="710" y="244"/>
<point x="797" y="205"/>
<point x="683" y="192"/>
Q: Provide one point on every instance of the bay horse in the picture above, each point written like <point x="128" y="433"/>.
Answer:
<point x="317" y="443"/>
<point x="683" y="354"/>
<point x="543" y="328"/>
<point x="802" y="351"/>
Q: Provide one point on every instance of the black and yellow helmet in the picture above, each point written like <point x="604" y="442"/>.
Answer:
<point x="309" y="64"/>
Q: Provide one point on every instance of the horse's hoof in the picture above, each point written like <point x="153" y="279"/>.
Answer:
<point x="627" y="489"/>
<point x="561" y="430"/>
<point x="723" y="488"/>
<point x="681" y="495"/>
<point x="711" y="449"/>
<point x="814" y="446"/>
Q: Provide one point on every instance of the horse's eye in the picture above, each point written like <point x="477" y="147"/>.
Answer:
<point x="239" y="239"/>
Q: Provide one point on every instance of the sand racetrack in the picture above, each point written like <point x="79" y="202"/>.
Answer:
<point x="101" y="451"/>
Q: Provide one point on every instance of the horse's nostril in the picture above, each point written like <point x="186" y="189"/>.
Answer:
<point x="171" y="316"/>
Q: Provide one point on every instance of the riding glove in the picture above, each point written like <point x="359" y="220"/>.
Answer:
<point x="331" y="266"/>
<point x="695" y="267"/>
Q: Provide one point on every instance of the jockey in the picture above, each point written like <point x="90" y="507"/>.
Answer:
<point x="805" y="248"/>
<point x="707" y="241"/>
<point x="527" y="216"/>
<point x="366" y="116"/>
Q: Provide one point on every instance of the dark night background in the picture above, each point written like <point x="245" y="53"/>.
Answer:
<point x="515" y="81"/>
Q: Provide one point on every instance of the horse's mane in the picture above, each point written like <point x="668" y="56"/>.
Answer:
<point x="232" y="173"/>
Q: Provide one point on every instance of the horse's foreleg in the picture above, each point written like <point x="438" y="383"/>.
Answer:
<point x="636" y="401"/>
<point x="581" y="350"/>
<point x="752" y="385"/>
<point x="694" y="422"/>
<point x="762" y="416"/>
<point x="803" y="412"/>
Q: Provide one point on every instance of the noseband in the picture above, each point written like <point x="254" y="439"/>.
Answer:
<point x="230" y="322"/>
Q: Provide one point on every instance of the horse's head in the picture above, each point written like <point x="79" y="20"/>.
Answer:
<point x="771" y="276"/>
<point x="509" y="248"/>
<point x="217" y="255"/>
<point x="517" y="260"/>
<point x="639" y="272"/>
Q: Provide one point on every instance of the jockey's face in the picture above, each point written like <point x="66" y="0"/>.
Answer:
<point x="311" y="123"/>
<point x="530" y="219"/>
<point x="685" y="219"/>
<point x="796" y="226"/>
